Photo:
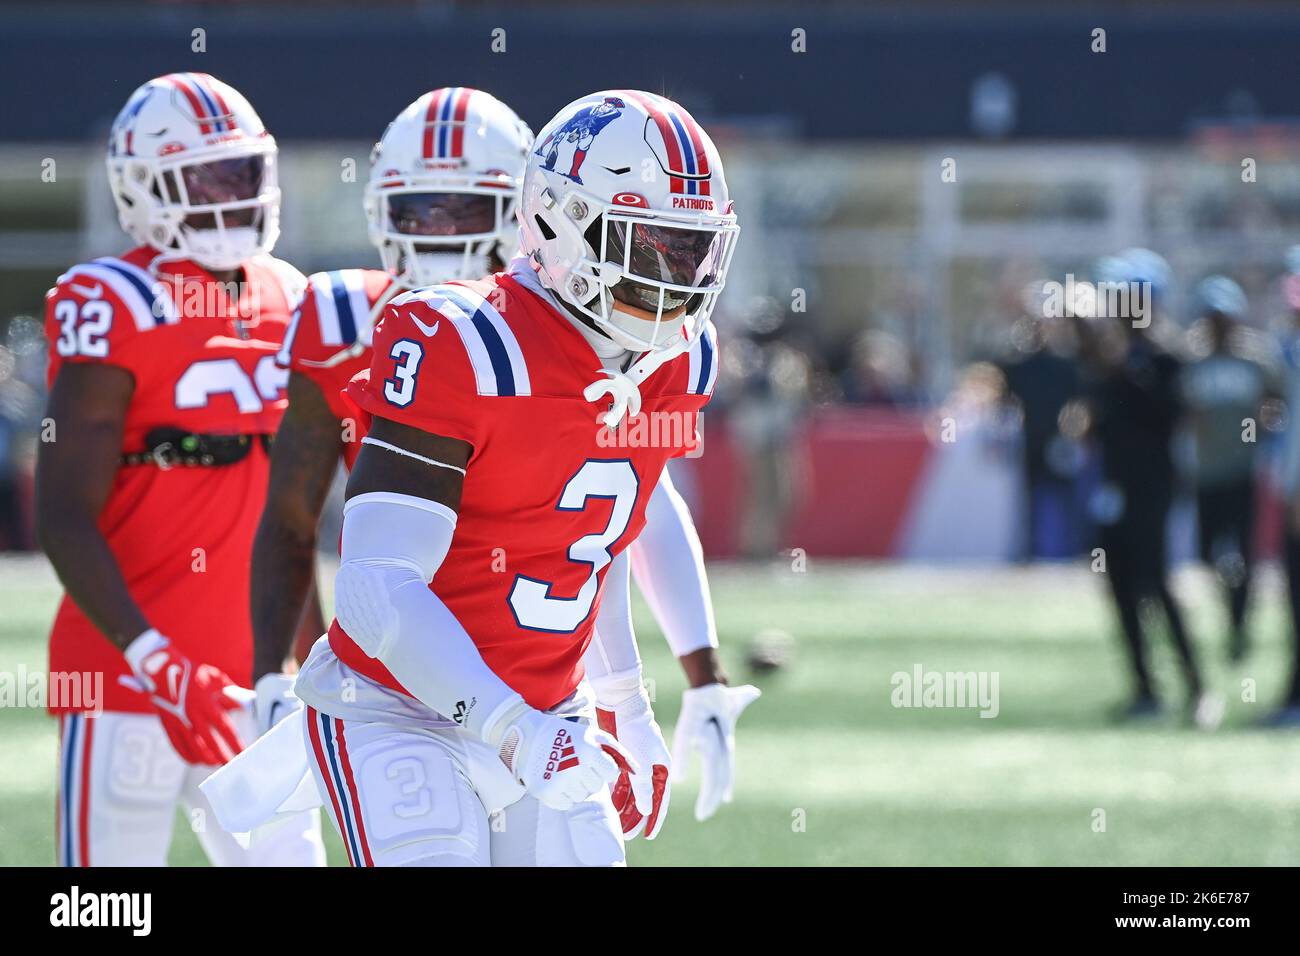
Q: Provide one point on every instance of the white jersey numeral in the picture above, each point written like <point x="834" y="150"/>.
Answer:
<point x="400" y="389"/>
<point x="82" y="330"/>
<point x="225" y="376"/>
<point x="530" y="599"/>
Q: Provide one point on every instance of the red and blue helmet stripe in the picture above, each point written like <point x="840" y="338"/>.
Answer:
<point x="205" y="100"/>
<point x="688" y="159"/>
<point x="444" y="122"/>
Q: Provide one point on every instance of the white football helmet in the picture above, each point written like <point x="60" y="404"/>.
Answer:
<point x="626" y="215"/>
<point x="444" y="183"/>
<point x="193" y="172"/>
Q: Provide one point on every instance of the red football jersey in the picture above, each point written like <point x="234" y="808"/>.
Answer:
<point x="550" y="495"/>
<point x="329" y="338"/>
<point x="202" y="354"/>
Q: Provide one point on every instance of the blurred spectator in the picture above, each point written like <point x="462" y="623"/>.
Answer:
<point x="768" y="395"/>
<point x="19" y="408"/>
<point x="1041" y="374"/>
<point x="880" y="372"/>
<point x="1224" y="388"/>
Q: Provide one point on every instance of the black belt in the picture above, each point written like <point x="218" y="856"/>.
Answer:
<point x="169" y="447"/>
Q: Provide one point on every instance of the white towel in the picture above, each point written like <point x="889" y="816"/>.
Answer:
<point x="270" y="778"/>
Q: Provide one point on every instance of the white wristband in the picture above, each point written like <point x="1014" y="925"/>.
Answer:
<point x="614" y="689"/>
<point x="145" y="644"/>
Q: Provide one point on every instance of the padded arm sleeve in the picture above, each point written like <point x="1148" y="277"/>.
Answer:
<point x="669" y="567"/>
<point x="392" y="546"/>
<point x="612" y="661"/>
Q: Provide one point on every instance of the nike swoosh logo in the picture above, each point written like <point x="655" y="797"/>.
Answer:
<point x="429" y="330"/>
<point x="89" y="291"/>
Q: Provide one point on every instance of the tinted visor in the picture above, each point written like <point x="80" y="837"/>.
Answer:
<point x="442" y="214"/>
<point x="669" y="254"/>
<point x="218" y="182"/>
<point x="224" y="180"/>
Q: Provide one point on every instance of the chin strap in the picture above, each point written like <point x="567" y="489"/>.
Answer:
<point x="624" y="388"/>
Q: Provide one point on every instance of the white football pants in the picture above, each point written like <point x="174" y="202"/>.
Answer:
<point x="120" y="782"/>
<point x="438" y="796"/>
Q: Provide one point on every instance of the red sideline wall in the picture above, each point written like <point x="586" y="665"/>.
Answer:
<point x="858" y="470"/>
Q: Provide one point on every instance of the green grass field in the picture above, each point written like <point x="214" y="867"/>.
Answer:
<point x="831" y="773"/>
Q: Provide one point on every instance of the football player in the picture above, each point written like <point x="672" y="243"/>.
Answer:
<point x="163" y="395"/>
<point x="440" y="204"/>
<point x="484" y="562"/>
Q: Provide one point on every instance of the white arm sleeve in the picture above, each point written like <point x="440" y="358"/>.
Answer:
<point x="668" y="564"/>
<point x="612" y="661"/>
<point x="392" y="546"/>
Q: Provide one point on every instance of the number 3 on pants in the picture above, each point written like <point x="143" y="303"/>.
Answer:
<point x="530" y="599"/>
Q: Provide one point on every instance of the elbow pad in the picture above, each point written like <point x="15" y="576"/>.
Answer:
<point x="387" y="552"/>
<point x="392" y="547"/>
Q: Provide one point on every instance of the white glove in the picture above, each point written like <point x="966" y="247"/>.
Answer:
<point x="561" y="762"/>
<point x="275" y="700"/>
<point x="641" y="798"/>
<point x="707" y="723"/>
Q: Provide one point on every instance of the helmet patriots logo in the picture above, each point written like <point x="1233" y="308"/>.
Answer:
<point x="581" y="129"/>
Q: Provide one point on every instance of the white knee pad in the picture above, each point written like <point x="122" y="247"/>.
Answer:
<point x="417" y="807"/>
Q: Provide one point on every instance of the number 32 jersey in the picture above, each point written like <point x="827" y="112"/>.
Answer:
<point x="202" y="357"/>
<point x="550" y="494"/>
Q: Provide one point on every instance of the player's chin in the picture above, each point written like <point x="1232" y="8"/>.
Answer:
<point x="648" y="315"/>
<point x="639" y="325"/>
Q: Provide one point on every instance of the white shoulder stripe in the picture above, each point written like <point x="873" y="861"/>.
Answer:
<point x="494" y="352"/>
<point x="327" y="314"/>
<point x="514" y="354"/>
<point x="284" y="357"/>
<point x="711" y="331"/>
<point x="140" y="309"/>
<point x="156" y="293"/>
<point x="703" y="369"/>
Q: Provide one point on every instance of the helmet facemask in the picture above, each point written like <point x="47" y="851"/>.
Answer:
<point x="647" y="281"/>
<point x="429" y="232"/>
<point x="218" y="211"/>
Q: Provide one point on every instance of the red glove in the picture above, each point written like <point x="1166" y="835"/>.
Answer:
<point x="640" y="798"/>
<point x="191" y="699"/>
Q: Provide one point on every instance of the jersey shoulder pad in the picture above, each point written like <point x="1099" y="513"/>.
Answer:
<point x="703" y="364"/>
<point x="96" y="307"/>
<point x="335" y="311"/>
<point x="421" y="372"/>
<point x="476" y="313"/>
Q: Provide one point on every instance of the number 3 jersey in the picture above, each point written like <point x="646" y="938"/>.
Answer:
<point x="550" y="494"/>
<point x="202" y="356"/>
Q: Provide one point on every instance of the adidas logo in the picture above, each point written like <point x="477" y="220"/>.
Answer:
<point x="562" y="755"/>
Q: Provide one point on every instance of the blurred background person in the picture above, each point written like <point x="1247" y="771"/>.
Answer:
<point x="1131" y="380"/>
<point x="1224" y="386"/>
<point x="1041" y="374"/>
<point x="880" y="371"/>
<point x="20" y="406"/>
<point x="768" y="396"/>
